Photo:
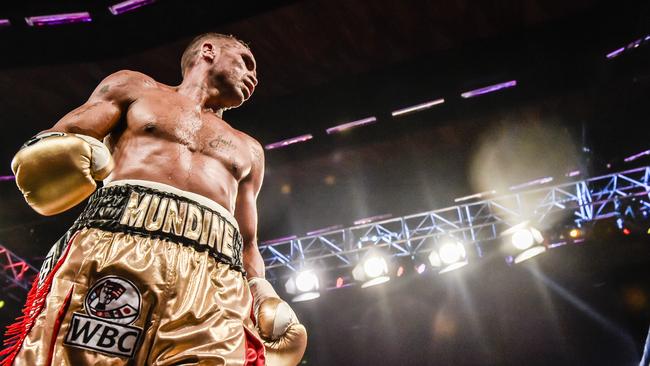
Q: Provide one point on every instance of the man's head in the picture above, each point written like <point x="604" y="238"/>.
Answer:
<point x="226" y="63"/>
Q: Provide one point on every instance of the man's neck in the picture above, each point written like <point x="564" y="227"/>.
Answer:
<point x="195" y="87"/>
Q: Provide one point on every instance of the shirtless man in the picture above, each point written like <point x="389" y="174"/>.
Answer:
<point x="162" y="267"/>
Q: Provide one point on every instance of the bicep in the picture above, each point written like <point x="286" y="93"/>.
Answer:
<point x="94" y="118"/>
<point x="249" y="188"/>
<point x="246" y="212"/>
<point x="103" y="110"/>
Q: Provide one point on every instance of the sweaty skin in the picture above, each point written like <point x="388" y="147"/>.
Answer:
<point x="176" y="136"/>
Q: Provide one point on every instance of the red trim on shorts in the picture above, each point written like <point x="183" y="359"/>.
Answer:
<point x="57" y="324"/>
<point x="17" y="332"/>
<point x="254" y="346"/>
<point x="254" y="350"/>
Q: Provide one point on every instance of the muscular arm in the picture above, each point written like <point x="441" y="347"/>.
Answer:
<point x="103" y="110"/>
<point x="246" y="213"/>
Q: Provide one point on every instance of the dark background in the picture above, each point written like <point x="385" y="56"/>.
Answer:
<point x="321" y="63"/>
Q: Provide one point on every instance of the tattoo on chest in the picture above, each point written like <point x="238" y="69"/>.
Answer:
<point x="222" y="145"/>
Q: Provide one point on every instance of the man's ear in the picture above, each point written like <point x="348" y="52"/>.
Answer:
<point x="209" y="51"/>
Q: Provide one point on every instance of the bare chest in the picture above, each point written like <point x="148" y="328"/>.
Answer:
<point x="178" y="128"/>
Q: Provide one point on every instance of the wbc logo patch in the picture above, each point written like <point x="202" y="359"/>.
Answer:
<point x="112" y="304"/>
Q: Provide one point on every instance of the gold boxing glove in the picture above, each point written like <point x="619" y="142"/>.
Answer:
<point x="284" y="338"/>
<point x="55" y="170"/>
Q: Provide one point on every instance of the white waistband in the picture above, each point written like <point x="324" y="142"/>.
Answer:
<point x="179" y="192"/>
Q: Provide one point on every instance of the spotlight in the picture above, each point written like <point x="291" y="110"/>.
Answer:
<point x="448" y="255"/>
<point x="2" y="304"/>
<point x="306" y="281"/>
<point x="523" y="239"/>
<point x="420" y="268"/>
<point x="575" y="233"/>
<point x="372" y="270"/>
<point x="303" y="285"/>
<point x="527" y="240"/>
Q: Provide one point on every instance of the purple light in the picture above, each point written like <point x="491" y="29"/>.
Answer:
<point x="615" y="53"/>
<point x="533" y="183"/>
<point x="56" y="19"/>
<point x="287" y="142"/>
<point x="126" y="6"/>
<point x="558" y="244"/>
<point x="279" y="240"/>
<point x="324" y="230"/>
<point x="347" y="126"/>
<point x="4" y="23"/>
<point x="6" y="178"/>
<point x="635" y="44"/>
<point x="636" y="156"/>
<point x="372" y="219"/>
<point x="489" y="89"/>
<point x="647" y="38"/>
<point x="417" y="107"/>
<point x="420" y="269"/>
<point x="476" y="195"/>
<point x="572" y="173"/>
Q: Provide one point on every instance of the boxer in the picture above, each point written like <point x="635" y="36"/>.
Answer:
<point x="162" y="266"/>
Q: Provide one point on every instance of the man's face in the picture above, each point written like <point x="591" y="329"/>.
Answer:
<point x="233" y="72"/>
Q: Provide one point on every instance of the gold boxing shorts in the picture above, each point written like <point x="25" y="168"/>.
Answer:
<point x="147" y="275"/>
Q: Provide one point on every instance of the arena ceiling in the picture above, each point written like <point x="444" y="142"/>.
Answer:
<point x="319" y="62"/>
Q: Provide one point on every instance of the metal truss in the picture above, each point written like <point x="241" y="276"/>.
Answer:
<point x="580" y="201"/>
<point x="586" y="200"/>
<point x="16" y="272"/>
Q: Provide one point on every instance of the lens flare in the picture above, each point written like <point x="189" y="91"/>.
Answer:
<point x="523" y="239"/>
<point x="375" y="266"/>
<point x="306" y="281"/>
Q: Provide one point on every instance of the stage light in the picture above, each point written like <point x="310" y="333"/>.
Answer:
<point x="534" y="182"/>
<point x="626" y="231"/>
<point x="306" y="281"/>
<point x="451" y="252"/>
<point x="349" y="125"/>
<point x="575" y="233"/>
<point x="489" y="89"/>
<point x="417" y="108"/>
<point x="2" y="304"/>
<point x="420" y="268"/>
<point x="448" y="255"/>
<point x="615" y="53"/>
<point x="636" y="156"/>
<point x="374" y="266"/>
<point x="287" y="142"/>
<point x="523" y="239"/>
<point x="4" y="23"/>
<point x="303" y="285"/>
<point x="372" y="269"/>
<point x="527" y="240"/>
<point x="56" y="19"/>
<point x="339" y="282"/>
<point x="129" y="5"/>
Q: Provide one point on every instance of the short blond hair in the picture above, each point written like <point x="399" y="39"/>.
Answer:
<point x="188" y="60"/>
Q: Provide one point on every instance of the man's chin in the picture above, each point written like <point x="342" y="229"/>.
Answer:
<point x="233" y="104"/>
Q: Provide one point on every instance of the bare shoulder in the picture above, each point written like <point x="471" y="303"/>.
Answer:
<point x="130" y="77"/>
<point x="123" y="85"/>
<point x="255" y="146"/>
